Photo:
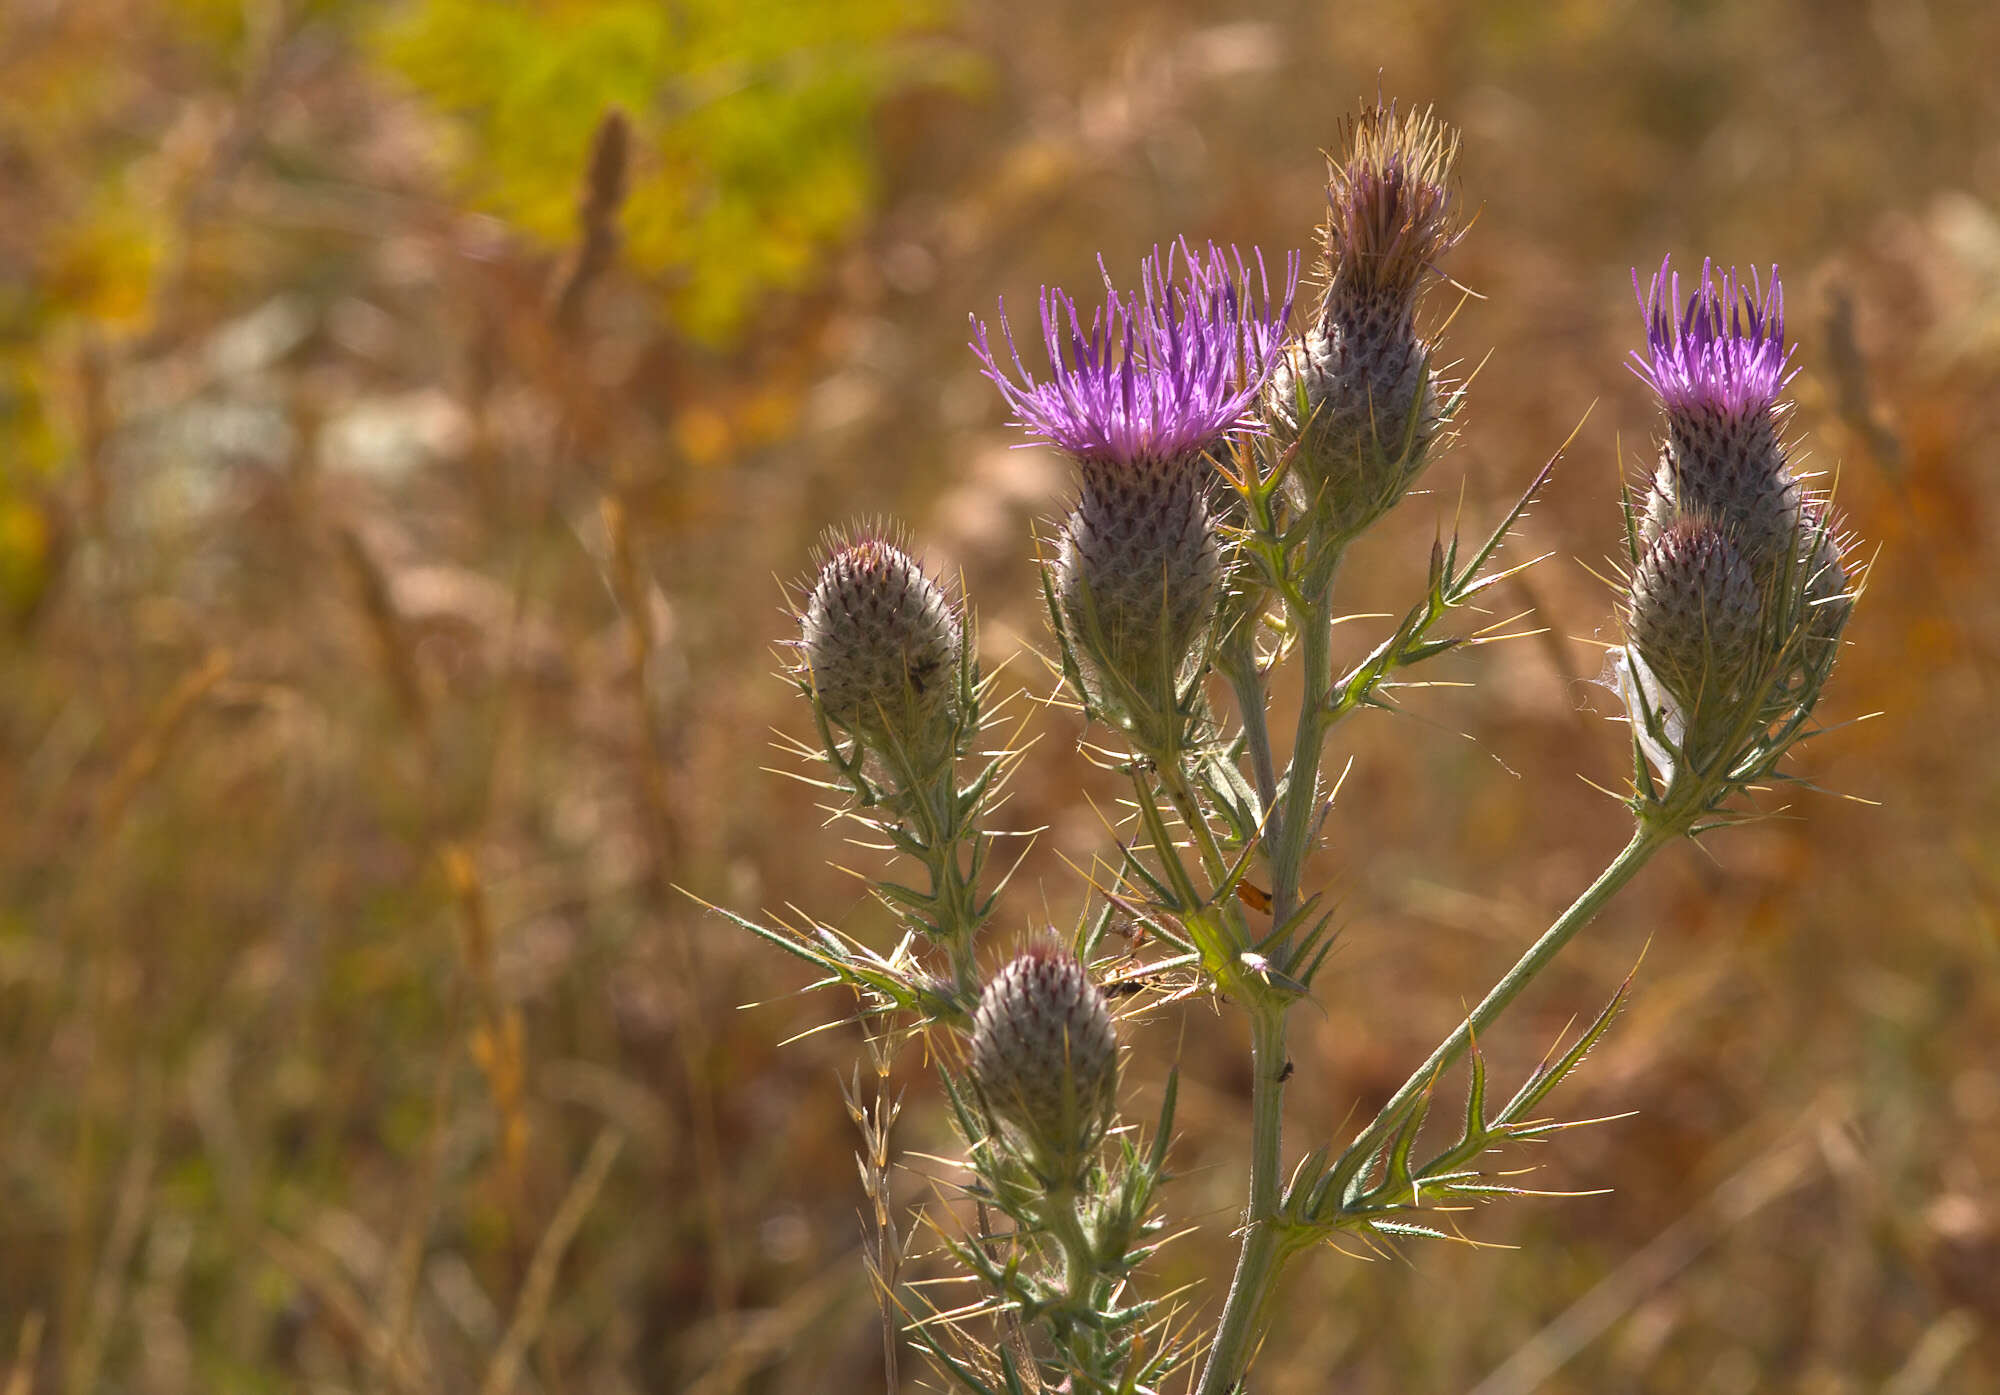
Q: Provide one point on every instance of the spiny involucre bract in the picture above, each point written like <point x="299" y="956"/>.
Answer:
<point x="1358" y="394"/>
<point x="1138" y="398"/>
<point x="1045" y="1060"/>
<point x="1828" y="593"/>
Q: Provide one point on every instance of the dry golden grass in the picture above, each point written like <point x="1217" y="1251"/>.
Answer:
<point x="396" y="635"/>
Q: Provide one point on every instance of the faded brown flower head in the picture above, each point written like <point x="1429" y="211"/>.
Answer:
<point x="1357" y="392"/>
<point x="1390" y="212"/>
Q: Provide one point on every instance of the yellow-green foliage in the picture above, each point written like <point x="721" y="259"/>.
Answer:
<point x="83" y="235"/>
<point x="753" y="147"/>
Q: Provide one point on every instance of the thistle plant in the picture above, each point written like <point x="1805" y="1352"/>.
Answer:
<point x="1224" y="463"/>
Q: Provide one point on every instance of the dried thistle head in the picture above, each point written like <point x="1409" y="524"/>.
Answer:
<point x="1391" y="213"/>
<point x="1357" y="392"/>
<point x="1045" y="1060"/>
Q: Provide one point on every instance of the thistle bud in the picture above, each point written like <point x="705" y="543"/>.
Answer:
<point x="1357" y="394"/>
<point x="1045" y="1060"/>
<point x="881" y="644"/>
<point x="1693" y="615"/>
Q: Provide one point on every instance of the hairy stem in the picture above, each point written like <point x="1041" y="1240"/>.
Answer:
<point x="1294" y="820"/>
<point x="1162" y="838"/>
<point x="1180" y="793"/>
<point x="1238" y="662"/>
<point x="929" y="808"/>
<point x="1079" y="1264"/>
<point x="1260" y="1257"/>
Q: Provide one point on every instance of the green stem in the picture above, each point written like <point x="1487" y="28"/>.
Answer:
<point x="1647" y="839"/>
<point x="1239" y="666"/>
<point x="1079" y="1265"/>
<point x="1162" y="838"/>
<point x="928" y="805"/>
<point x="1295" y="817"/>
<point x="955" y="896"/>
<point x="1259" y="1259"/>
<point x="1180" y="793"/>
<point x="1261" y="1254"/>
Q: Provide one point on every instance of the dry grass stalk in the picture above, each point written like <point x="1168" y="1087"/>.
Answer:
<point x="143" y="759"/>
<point x="533" y="1305"/>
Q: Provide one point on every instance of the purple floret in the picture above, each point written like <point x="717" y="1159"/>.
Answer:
<point x="1725" y="354"/>
<point x="1161" y="374"/>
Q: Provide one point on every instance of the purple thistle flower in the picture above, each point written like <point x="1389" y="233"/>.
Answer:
<point x="1725" y="355"/>
<point x="1718" y="361"/>
<point x="1162" y="374"/>
<point x="1739" y="592"/>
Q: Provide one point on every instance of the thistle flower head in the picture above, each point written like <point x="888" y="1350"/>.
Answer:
<point x="1356" y="393"/>
<point x="1157" y="379"/>
<point x="1045" y="1059"/>
<point x="1390" y="211"/>
<point x="1739" y="592"/>
<point x="881" y="643"/>
<point x="1162" y="374"/>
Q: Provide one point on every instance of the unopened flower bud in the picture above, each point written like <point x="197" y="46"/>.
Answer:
<point x="1045" y="1060"/>
<point x="881" y="643"/>
<point x="1693" y="615"/>
<point x="1357" y="394"/>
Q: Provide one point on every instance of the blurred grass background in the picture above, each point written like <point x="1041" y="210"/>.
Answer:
<point x="379" y="647"/>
